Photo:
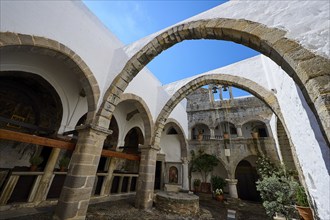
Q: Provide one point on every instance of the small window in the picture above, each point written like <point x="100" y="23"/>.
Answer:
<point x="171" y="130"/>
<point x="233" y="130"/>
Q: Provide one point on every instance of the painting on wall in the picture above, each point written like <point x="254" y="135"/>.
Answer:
<point x="173" y="175"/>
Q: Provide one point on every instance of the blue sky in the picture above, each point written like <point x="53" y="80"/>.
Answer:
<point x="133" y="20"/>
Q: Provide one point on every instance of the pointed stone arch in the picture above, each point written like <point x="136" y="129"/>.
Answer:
<point x="10" y="41"/>
<point x="309" y="70"/>
<point x="146" y="115"/>
<point x="182" y="137"/>
<point x="264" y="95"/>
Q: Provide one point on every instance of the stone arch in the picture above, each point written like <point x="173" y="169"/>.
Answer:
<point x="142" y="107"/>
<point x="255" y="118"/>
<point x="308" y="70"/>
<point x="262" y="128"/>
<point x="252" y="87"/>
<point x="182" y="138"/>
<point x="45" y="46"/>
<point x="246" y="174"/>
<point x="206" y="131"/>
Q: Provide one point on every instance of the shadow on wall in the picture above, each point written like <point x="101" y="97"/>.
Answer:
<point x="325" y="150"/>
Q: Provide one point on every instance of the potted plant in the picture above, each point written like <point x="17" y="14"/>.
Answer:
<point x="64" y="163"/>
<point x="277" y="189"/>
<point x="302" y="204"/>
<point x="254" y="133"/>
<point x="205" y="163"/>
<point x="200" y="135"/>
<point x="35" y="161"/>
<point x="219" y="195"/>
<point x="217" y="183"/>
<point x="225" y="135"/>
<point x="197" y="183"/>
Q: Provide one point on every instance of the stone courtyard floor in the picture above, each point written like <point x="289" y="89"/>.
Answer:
<point x="124" y="209"/>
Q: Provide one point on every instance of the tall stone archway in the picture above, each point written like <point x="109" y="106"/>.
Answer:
<point x="309" y="71"/>
<point x="144" y="111"/>
<point x="15" y="42"/>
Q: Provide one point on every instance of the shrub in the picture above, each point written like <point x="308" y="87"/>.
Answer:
<point x="277" y="188"/>
<point x="301" y="197"/>
<point x="197" y="182"/>
<point x="64" y="162"/>
<point x="217" y="182"/>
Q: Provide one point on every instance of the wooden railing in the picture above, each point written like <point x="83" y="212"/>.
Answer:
<point x="21" y="186"/>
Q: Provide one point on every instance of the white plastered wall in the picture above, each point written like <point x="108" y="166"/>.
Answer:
<point x="62" y="21"/>
<point x="68" y="22"/>
<point x="170" y="146"/>
<point x="58" y="76"/>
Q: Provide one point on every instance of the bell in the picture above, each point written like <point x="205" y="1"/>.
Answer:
<point x="225" y="89"/>
<point x="214" y="89"/>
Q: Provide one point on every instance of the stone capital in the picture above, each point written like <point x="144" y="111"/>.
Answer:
<point x="95" y="128"/>
<point x="232" y="181"/>
<point x="184" y="160"/>
<point x="149" y="147"/>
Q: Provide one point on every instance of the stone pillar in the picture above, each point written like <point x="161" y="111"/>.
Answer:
<point x="239" y="131"/>
<point x="41" y="193"/>
<point x="212" y="133"/>
<point x="107" y="183"/>
<point x="232" y="186"/>
<point x="231" y="92"/>
<point x="220" y="93"/>
<point x="211" y="93"/>
<point x="145" y="184"/>
<point x="78" y="185"/>
<point x="185" y="181"/>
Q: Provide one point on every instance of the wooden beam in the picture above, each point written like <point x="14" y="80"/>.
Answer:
<point x="33" y="139"/>
<point x="26" y="125"/>
<point x="110" y="153"/>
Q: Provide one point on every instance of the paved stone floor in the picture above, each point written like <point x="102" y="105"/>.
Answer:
<point x="124" y="209"/>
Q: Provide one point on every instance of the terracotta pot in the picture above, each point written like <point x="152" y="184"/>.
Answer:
<point x="219" y="198"/>
<point x="305" y="212"/>
<point x="225" y="136"/>
<point x="205" y="187"/>
<point x="62" y="169"/>
<point x="200" y="137"/>
<point x="33" y="167"/>
<point x="255" y="135"/>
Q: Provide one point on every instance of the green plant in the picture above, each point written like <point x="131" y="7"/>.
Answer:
<point x="218" y="182"/>
<point x="197" y="182"/>
<point x="36" y="160"/>
<point x="301" y="197"/>
<point x="204" y="163"/>
<point x="277" y="188"/>
<point x="64" y="162"/>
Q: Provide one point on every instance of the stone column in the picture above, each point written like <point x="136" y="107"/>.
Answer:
<point x="185" y="182"/>
<point x="78" y="185"/>
<point x="239" y="131"/>
<point x="41" y="193"/>
<point x="231" y="92"/>
<point x="232" y="186"/>
<point x="212" y="133"/>
<point x="107" y="183"/>
<point x="146" y="180"/>
<point x="220" y="93"/>
<point x="211" y="93"/>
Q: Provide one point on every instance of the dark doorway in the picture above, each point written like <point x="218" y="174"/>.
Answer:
<point x="158" y="175"/>
<point x="247" y="177"/>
